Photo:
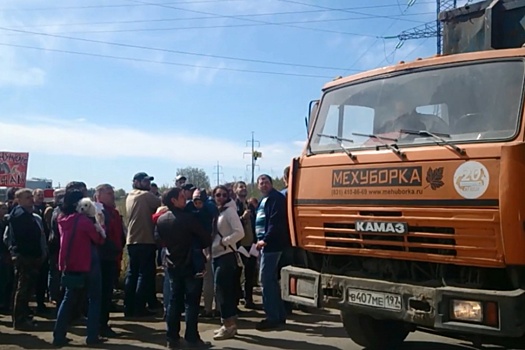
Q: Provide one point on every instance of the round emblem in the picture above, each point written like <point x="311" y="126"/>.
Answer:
<point x="471" y="180"/>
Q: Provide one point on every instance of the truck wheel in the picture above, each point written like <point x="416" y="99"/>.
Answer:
<point x="374" y="334"/>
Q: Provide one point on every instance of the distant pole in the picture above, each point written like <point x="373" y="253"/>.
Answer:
<point x="253" y="155"/>
<point x="218" y="172"/>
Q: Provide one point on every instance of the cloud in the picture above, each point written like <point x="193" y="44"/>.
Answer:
<point x="82" y="138"/>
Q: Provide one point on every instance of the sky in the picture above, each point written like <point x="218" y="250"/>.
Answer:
<point x="97" y="91"/>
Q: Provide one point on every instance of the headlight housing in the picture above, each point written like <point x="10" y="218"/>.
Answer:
<point x="467" y="310"/>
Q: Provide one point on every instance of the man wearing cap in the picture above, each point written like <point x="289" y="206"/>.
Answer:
<point x="141" y="204"/>
<point x="180" y="180"/>
<point x="188" y="190"/>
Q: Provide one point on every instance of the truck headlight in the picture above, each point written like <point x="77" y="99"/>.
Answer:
<point x="465" y="310"/>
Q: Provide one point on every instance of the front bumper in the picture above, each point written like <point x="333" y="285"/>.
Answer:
<point x="422" y="306"/>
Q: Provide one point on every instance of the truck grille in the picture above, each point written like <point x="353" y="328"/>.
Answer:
<point x="420" y="239"/>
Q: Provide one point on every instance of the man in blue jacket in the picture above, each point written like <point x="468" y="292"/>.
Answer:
<point x="271" y="228"/>
<point x="26" y="242"/>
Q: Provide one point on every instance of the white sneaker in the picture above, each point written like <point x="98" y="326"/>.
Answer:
<point x="225" y="333"/>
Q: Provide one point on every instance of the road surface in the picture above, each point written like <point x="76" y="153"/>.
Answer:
<point x="303" y="332"/>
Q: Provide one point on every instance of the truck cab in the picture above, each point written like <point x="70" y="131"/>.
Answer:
<point x="407" y="202"/>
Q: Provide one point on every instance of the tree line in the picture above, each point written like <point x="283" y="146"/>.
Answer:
<point x="199" y="178"/>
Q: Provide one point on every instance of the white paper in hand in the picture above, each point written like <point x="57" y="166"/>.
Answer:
<point x="243" y="251"/>
<point x="253" y="251"/>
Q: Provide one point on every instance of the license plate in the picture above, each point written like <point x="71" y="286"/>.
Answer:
<point x="374" y="299"/>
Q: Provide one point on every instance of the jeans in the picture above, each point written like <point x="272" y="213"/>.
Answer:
<point x="53" y="280"/>
<point x="140" y="278"/>
<point x="108" y="269"/>
<point x="271" y="291"/>
<point x="41" y="288"/>
<point x="250" y="272"/>
<point x="186" y="295"/>
<point x="26" y="272"/>
<point x="70" y="302"/>
<point x="6" y="282"/>
<point x="225" y="271"/>
<point x="287" y="259"/>
<point x="166" y="290"/>
<point x="208" y="289"/>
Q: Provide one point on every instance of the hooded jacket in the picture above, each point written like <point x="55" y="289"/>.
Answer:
<point x="230" y="228"/>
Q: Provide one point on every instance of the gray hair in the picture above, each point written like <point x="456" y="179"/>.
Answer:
<point x="59" y="193"/>
<point x="103" y="187"/>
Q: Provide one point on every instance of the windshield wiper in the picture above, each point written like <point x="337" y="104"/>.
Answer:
<point x="436" y="136"/>
<point x="393" y="147"/>
<point x="340" y="140"/>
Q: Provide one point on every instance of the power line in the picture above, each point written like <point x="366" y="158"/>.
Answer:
<point x="252" y="20"/>
<point x="110" y="6"/>
<point x="341" y="10"/>
<point x="428" y="30"/>
<point x="169" y="50"/>
<point x="167" y="62"/>
<point x="214" y="26"/>
<point x="215" y="17"/>
<point x="407" y="55"/>
<point x="197" y="2"/>
<point x="403" y="12"/>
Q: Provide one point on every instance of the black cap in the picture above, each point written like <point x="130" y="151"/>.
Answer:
<point x="142" y="176"/>
<point x="188" y="187"/>
<point x="180" y="177"/>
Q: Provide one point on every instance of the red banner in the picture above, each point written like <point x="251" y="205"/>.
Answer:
<point x="13" y="169"/>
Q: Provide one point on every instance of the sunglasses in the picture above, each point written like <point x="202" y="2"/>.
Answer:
<point x="221" y="194"/>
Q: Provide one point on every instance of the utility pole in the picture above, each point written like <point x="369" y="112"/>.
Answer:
<point x="427" y="30"/>
<point x="254" y="155"/>
<point x="218" y="172"/>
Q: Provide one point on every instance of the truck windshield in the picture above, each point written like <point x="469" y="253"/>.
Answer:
<point x="467" y="103"/>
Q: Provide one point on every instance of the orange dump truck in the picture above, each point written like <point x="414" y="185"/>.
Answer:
<point x="408" y="202"/>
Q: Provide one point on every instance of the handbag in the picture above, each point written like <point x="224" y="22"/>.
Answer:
<point x="236" y="253"/>
<point x="73" y="280"/>
<point x="70" y="279"/>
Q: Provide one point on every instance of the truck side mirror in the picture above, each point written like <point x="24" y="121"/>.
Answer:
<point x="312" y="111"/>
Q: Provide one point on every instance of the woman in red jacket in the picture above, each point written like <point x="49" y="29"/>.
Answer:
<point x="80" y="266"/>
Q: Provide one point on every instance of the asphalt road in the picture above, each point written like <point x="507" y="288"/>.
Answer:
<point x="303" y="332"/>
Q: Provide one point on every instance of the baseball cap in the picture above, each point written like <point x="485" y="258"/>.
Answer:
<point x="188" y="187"/>
<point x="142" y="176"/>
<point x="180" y="177"/>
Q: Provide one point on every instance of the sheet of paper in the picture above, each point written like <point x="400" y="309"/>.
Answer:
<point x="253" y="251"/>
<point x="243" y="251"/>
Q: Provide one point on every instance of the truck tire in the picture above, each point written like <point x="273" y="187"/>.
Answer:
<point x="374" y="334"/>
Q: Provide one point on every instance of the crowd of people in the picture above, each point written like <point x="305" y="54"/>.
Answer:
<point x="213" y="246"/>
